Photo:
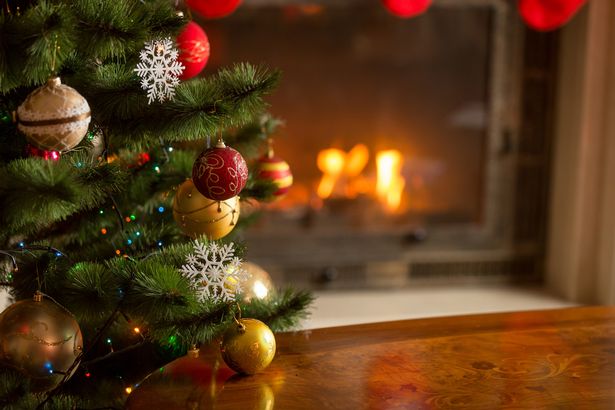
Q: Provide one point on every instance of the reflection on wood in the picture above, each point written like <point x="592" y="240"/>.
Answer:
<point x="559" y="359"/>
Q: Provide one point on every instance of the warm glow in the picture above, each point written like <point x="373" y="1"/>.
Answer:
<point x="128" y="390"/>
<point x="331" y="162"/>
<point x="356" y="160"/>
<point x="137" y="330"/>
<point x="342" y="175"/>
<point x="390" y="184"/>
<point x="260" y="290"/>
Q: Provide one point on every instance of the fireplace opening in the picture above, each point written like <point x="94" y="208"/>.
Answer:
<point x="418" y="150"/>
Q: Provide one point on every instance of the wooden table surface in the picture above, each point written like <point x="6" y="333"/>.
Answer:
<point x="555" y="359"/>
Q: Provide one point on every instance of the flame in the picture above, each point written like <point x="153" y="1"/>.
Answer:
<point x="344" y="169"/>
<point x="331" y="162"/>
<point x="356" y="160"/>
<point x="390" y="184"/>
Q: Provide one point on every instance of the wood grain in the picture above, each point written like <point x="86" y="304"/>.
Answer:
<point x="558" y="359"/>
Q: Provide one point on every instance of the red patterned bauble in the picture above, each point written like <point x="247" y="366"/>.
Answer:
<point x="193" y="47"/>
<point x="276" y="170"/>
<point x="220" y="173"/>
<point x="406" y="8"/>
<point x="213" y="9"/>
<point x="545" y="15"/>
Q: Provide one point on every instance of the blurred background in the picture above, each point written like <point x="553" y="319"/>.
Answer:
<point x="423" y="152"/>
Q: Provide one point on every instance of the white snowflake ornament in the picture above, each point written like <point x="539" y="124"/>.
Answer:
<point x="159" y="69"/>
<point x="215" y="271"/>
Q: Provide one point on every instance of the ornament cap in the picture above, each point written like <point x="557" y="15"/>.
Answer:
<point x="54" y="82"/>
<point x="270" y="153"/>
<point x="38" y="296"/>
<point x="220" y="143"/>
<point x="193" y="352"/>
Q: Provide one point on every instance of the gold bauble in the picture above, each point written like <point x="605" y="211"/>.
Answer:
<point x="248" y="346"/>
<point x="41" y="339"/>
<point x="197" y="215"/>
<point x="54" y="117"/>
<point x="258" y="285"/>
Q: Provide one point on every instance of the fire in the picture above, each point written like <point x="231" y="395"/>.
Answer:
<point x="341" y="168"/>
<point x="331" y="162"/>
<point x="390" y="184"/>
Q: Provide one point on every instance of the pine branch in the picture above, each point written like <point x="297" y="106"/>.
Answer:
<point x="32" y="44"/>
<point x="116" y="29"/>
<point x="281" y="311"/>
<point x="32" y="187"/>
<point x="201" y="106"/>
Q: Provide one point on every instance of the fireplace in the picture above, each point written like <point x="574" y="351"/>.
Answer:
<point x="420" y="148"/>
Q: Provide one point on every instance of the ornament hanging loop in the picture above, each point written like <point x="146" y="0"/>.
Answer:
<point x="241" y="328"/>
<point x="54" y="54"/>
<point x="220" y="143"/>
<point x="270" y="148"/>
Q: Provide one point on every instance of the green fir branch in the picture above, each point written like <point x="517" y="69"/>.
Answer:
<point x="281" y="311"/>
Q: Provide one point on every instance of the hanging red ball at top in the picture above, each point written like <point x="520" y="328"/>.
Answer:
<point x="220" y="173"/>
<point x="213" y="9"/>
<point x="193" y="46"/>
<point x="406" y="8"/>
<point x="545" y="15"/>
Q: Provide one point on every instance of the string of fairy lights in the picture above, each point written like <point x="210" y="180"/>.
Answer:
<point x="105" y="230"/>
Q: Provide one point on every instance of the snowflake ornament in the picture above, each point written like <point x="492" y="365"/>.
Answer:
<point x="215" y="271"/>
<point x="159" y="69"/>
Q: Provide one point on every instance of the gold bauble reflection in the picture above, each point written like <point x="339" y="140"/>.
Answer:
<point x="197" y="215"/>
<point x="258" y="285"/>
<point x="248" y="347"/>
<point x="38" y="337"/>
<point x="259" y="396"/>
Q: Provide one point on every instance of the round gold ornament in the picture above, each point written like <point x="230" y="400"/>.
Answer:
<point x="197" y="215"/>
<point x="41" y="339"/>
<point x="258" y="285"/>
<point x="54" y="117"/>
<point x="248" y="346"/>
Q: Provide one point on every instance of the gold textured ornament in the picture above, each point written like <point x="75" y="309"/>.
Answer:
<point x="197" y="215"/>
<point x="54" y="117"/>
<point x="248" y="346"/>
<point x="258" y="285"/>
<point x="41" y="339"/>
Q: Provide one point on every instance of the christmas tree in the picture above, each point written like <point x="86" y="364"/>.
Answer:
<point x="89" y="222"/>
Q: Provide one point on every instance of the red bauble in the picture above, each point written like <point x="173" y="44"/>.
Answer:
<point x="276" y="170"/>
<point x="193" y="47"/>
<point x="545" y="15"/>
<point x="33" y="151"/>
<point x="406" y="8"/>
<point x="188" y="382"/>
<point x="213" y="9"/>
<point x="220" y="173"/>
